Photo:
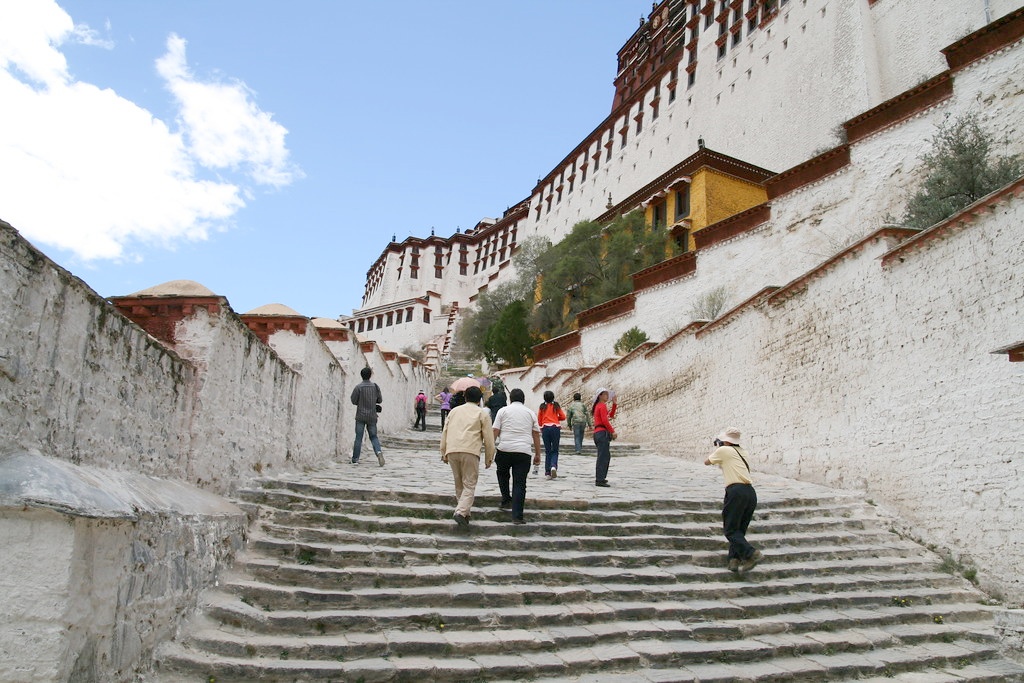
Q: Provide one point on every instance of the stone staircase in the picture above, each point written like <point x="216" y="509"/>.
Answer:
<point x="358" y="573"/>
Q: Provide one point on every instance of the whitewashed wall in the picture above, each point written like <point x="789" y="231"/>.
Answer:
<point x="87" y="392"/>
<point x="810" y="224"/>
<point x="878" y="378"/>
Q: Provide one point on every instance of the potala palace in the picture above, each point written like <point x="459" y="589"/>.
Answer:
<point x="176" y="502"/>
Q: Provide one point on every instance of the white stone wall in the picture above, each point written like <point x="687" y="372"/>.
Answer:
<point x="777" y="98"/>
<point x="86" y="596"/>
<point x="80" y="381"/>
<point x="808" y="225"/>
<point x="101" y="565"/>
<point x="872" y="377"/>
<point x="880" y="378"/>
<point x="774" y="100"/>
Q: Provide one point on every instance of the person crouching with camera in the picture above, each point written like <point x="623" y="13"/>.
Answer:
<point x="740" y="499"/>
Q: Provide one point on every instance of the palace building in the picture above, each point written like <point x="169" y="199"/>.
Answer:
<point x="709" y="95"/>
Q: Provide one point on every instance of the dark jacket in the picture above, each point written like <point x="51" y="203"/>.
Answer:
<point x="365" y="397"/>
<point x="496" y="402"/>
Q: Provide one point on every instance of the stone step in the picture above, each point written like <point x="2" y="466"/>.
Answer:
<point x="287" y="500"/>
<point x="555" y="550"/>
<point x="336" y="550"/>
<point x="712" y="502"/>
<point x="351" y="646"/>
<point x="360" y="574"/>
<point x="490" y="522"/>
<point x="277" y="597"/>
<point x="290" y="573"/>
<point x="834" y="630"/>
<point x="793" y="657"/>
<point x="232" y="611"/>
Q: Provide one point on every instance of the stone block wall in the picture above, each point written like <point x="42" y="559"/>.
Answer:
<point x="201" y="410"/>
<point x="101" y="566"/>
<point x="863" y="372"/>
<point x="873" y="373"/>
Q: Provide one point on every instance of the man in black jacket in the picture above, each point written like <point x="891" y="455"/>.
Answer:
<point x="366" y="398"/>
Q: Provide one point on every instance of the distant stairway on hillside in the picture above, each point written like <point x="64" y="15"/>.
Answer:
<point x="358" y="574"/>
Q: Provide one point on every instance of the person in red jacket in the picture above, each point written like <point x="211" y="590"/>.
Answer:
<point x="604" y="434"/>
<point x="549" y="417"/>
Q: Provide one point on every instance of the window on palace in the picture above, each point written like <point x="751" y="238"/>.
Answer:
<point x="391" y="319"/>
<point x="683" y="202"/>
<point x="369" y="324"/>
<point x="438" y="272"/>
<point x="463" y="270"/>
<point x="414" y="273"/>
<point x="362" y="325"/>
<point x="658" y="213"/>
<point x="426" y="315"/>
<point x="736" y="37"/>
<point x="691" y="78"/>
<point x="682" y="239"/>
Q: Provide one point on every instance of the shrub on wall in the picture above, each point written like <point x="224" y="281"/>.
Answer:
<point x="592" y="265"/>
<point x="630" y="339"/>
<point x="709" y="304"/>
<point x="960" y="171"/>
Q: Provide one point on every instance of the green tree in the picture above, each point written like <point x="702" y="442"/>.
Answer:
<point x="554" y="283"/>
<point x="630" y="339"/>
<point x="960" y="170"/>
<point x="592" y="265"/>
<point x="475" y="325"/>
<point x="509" y="339"/>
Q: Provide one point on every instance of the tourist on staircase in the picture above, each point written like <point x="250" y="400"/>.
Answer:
<point x="467" y="430"/>
<point x="518" y="432"/>
<point x="579" y="420"/>
<point x="550" y="416"/>
<point x="740" y="499"/>
<point x="366" y="397"/>
<point x="445" y="399"/>
<point x="497" y="401"/>
<point x="604" y="434"/>
<point x="420" y="405"/>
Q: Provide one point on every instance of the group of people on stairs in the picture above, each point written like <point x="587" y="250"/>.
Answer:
<point x="510" y="437"/>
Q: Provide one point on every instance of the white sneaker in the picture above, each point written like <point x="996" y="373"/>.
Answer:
<point x="554" y="472"/>
<point x="380" y="458"/>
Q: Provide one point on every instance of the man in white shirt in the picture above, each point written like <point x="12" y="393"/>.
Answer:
<point x="516" y="427"/>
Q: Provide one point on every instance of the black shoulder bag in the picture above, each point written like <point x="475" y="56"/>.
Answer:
<point x="741" y="457"/>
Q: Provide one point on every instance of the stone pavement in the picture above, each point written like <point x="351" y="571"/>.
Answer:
<point x="358" y="573"/>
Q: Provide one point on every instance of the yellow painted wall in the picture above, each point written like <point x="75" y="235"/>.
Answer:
<point x="727" y="196"/>
<point x="714" y="197"/>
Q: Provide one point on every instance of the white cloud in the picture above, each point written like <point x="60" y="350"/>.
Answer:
<point x="88" y="36"/>
<point x="225" y="129"/>
<point x="86" y="170"/>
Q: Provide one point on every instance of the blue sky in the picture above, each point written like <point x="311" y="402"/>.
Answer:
<point x="270" y="150"/>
